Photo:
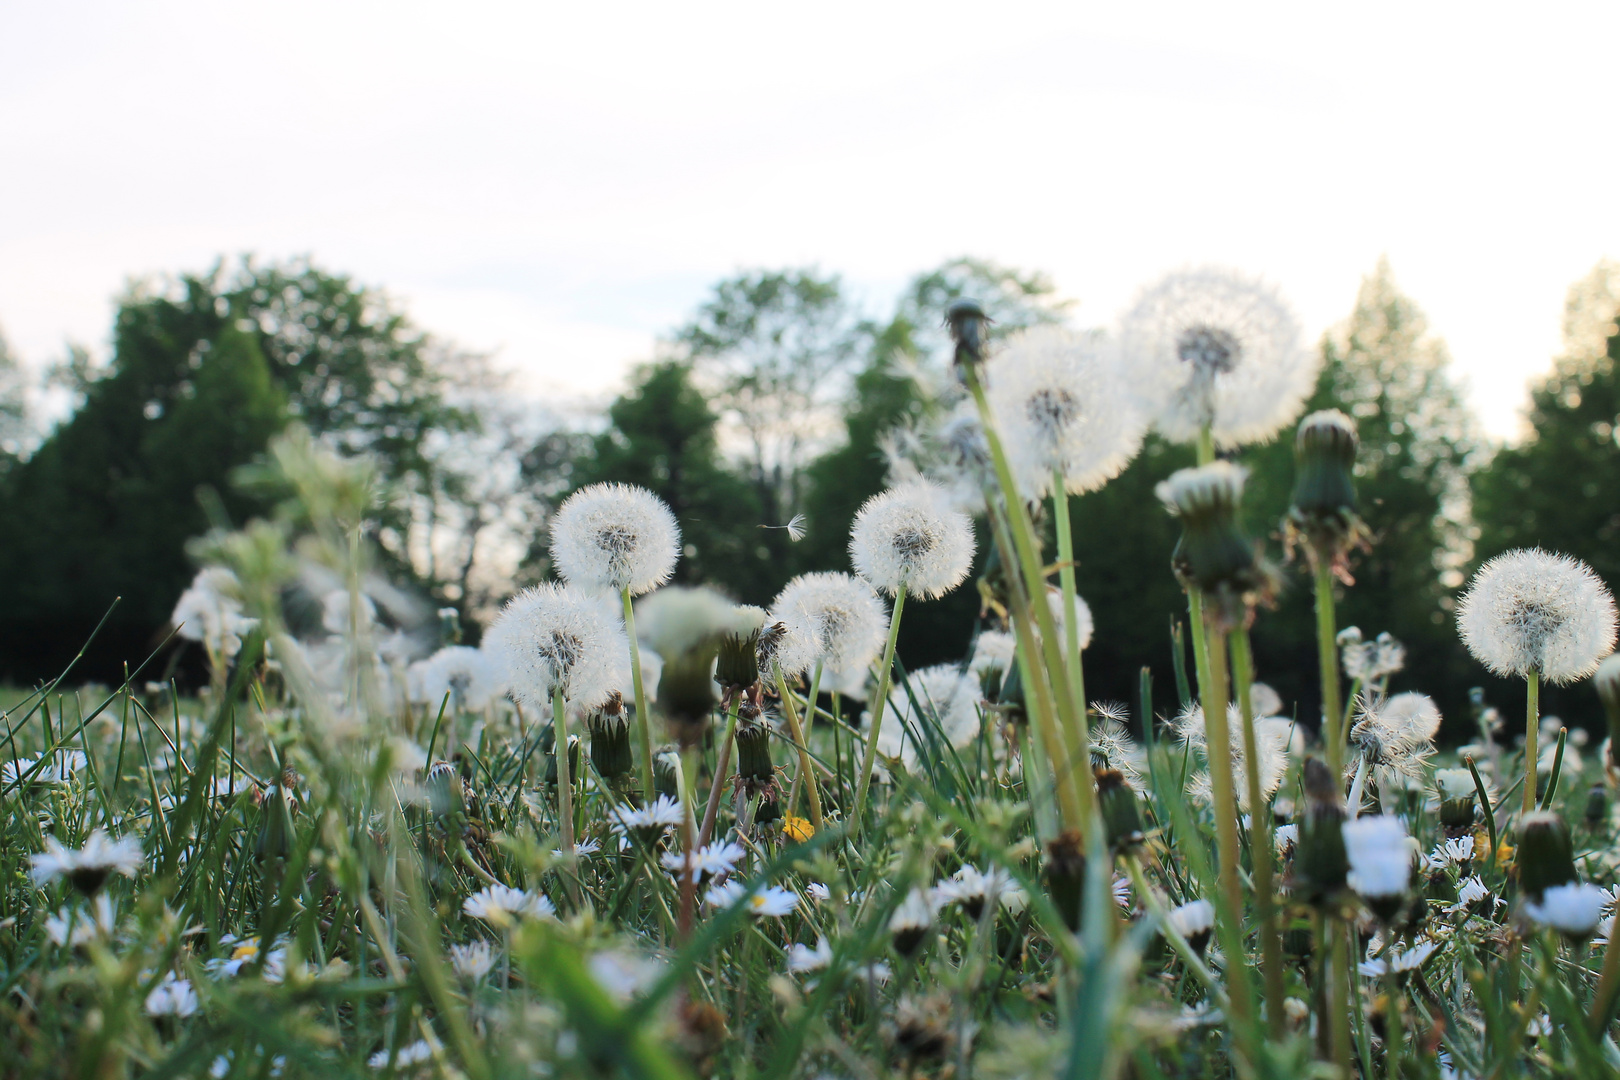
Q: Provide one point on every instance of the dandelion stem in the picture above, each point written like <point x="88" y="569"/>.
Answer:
<point x="869" y="754"/>
<point x="807" y="769"/>
<point x="643" y="735"/>
<point x="1218" y="747"/>
<point x="1532" y="725"/>
<point x="1608" y="986"/>
<point x="1328" y="659"/>
<point x="722" y="765"/>
<point x="1071" y="628"/>
<point x="565" y="782"/>
<point x="1260" y="842"/>
<point x="1028" y="558"/>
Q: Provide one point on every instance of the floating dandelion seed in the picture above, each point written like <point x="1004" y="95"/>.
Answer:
<point x="909" y="537"/>
<point x="794" y="527"/>
<point x="1064" y="409"/>
<point x="1209" y="348"/>
<point x="615" y="536"/>
<point x="557" y="638"/>
<point x="1534" y="611"/>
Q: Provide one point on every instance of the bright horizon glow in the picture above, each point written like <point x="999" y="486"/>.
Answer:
<point x="563" y="184"/>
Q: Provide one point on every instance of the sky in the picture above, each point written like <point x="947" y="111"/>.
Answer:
<point x="561" y="183"/>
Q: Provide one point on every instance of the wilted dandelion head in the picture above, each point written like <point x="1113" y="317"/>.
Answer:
<point x="832" y="619"/>
<point x="555" y="638"/>
<point x="1063" y="407"/>
<point x="1532" y="610"/>
<point x="1210" y="347"/>
<point x="615" y="536"/>
<point x="909" y="537"/>
<point x="936" y="703"/>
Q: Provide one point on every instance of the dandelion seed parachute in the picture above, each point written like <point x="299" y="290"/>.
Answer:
<point x="1534" y="610"/>
<point x="1062" y="406"/>
<point x="615" y="536"/>
<point x="1208" y="346"/>
<point x="557" y="638"/>
<point x="909" y="536"/>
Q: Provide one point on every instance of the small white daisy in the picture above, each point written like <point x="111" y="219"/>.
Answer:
<point x="472" y="962"/>
<point x="416" y="1053"/>
<point x="172" y="997"/>
<point x="88" y="868"/>
<point x="1573" y="909"/>
<point x="711" y="862"/>
<point x="1405" y="960"/>
<point x="499" y="904"/>
<point x="662" y="814"/>
<point x="818" y="892"/>
<point x="802" y="958"/>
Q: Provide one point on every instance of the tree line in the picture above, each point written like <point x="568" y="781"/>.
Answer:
<point x="778" y="399"/>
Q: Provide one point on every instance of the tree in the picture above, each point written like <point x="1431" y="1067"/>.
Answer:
<point x="1556" y="489"/>
<point x="14" y="428"/>
<point x="661" y="436"/>
<point x="775" y="348"/>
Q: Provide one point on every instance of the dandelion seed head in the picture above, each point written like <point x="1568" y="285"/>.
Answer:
<point x="470" y="677"/>
<point x="1534" y="610"/>
<point x="1063" y="407"/>
<point x="1397" y="733"/>
<point x="1192" y="918"/>
<point x="1208" y="346"/>
<point x="1271" y="745"/>
<point x="910" y="537"/>
<point x="556" y="638"/>
<point x="832" y="619"/>
<point x="677" y="619"/>
<point x="943" y="696"/>
<point x="615" y="536"/>
<point x="993" y="650"/>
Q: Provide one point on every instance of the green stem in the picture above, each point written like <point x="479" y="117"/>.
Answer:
<point x="648" y="785"/>
<point x="1023" y="537"/>
<point x="1218" y="749"/>
<point x="565" y="785"/>
<point x="1532" y="726"/>
<point x="722" y="765"/>
<point x="1327" y="654"/>
<point x="869" y="754"/>
<point x="807" y="768"/>
<point x="1260" y="842"/>
<point x="1392" y="1023"/>
<point x="1608" y="988"/>
<point x="1071" y="629"/>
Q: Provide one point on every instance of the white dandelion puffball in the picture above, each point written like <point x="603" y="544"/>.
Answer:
<point x="615" y="536"/>
<point x="1271" y="744"/>
<point x="993" y="650"/>
<point x="1208" y="346"/>
<point x="1063" y="406"/>
<point x="677" y="619"/>
<point x="943" y="696"/>
<point x="909" y="537"/>
<point x="557" y="638"/>
<point x="832" y="619"/>
<point x="471" y="677"/>
<point x="1534" y="610"/>
<point x="1571" y="909"/>
<point x="1084" y="627"/>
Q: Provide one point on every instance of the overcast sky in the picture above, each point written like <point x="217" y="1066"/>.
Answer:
<point x="561" y="182"/>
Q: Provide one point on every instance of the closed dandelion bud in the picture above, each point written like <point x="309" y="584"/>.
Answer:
<point x="1324" y="504"/>
<point x="666" y="774"/>
<point x="737" y="666"/>
<point x="1213" y="553"/>
<point x="450" y="625"/>
<point x="908" y="926"/>
<point x="1320" y="863"/>
<point x="769" y="811"/>
<point x="275" y="834"/>
<point x="1066" y="875"/>
<point x="1546" y="855"/>
<point x="610" y="739"/>
<point x="551" y="759"/>
<point x="1597" y="805"/>
<point x="1122" y="820"/>
<point x="1607" y="681"/>
<point x="1457" y="796"/>
<point x="967" y="322"/>
<point x="754" y="765"/>
<point x="686" y="694"/>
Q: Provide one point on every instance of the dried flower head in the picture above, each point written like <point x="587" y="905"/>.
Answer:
<point x="1063" y="408"/>
<point x="1531" y="610"/>
<point x="1210" y="348"/>
<point x="1397" y="734"/>
<point x="557" y="638"/>
<point x="615" y="536"/>
<point x="832" y="619"/>
<point x="909" y="537"/>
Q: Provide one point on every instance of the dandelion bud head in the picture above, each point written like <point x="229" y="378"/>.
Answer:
<point x="1532" y="610"/>
<point x="910" y="537"/>
<point x="1546" y="853"/>
<point x="615" y="536"/>
<point x="555" y="638"/>
<point x="1208" y="347"/>
<point x="1063" y="408"/>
